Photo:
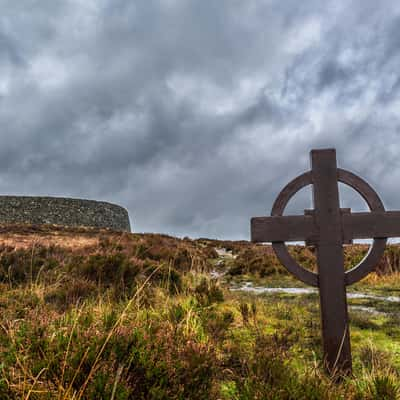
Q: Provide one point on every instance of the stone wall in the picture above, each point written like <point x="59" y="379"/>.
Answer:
<point x="63" y="211"/>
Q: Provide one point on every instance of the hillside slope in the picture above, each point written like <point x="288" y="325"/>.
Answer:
<point x="96" y="314"/>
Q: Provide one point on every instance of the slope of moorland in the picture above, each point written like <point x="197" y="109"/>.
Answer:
<point x="95" y="314"/>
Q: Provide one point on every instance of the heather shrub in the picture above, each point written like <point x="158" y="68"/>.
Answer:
<point x="131" y="317"/>
<point x="208" y="292"/>
<point x="25" y="265"/>
<point x="71" y="293"/>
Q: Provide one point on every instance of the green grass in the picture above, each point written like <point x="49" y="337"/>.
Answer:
<point x="137" y="317"/>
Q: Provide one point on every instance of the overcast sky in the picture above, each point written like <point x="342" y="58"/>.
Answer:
<point x="194" y="114"/>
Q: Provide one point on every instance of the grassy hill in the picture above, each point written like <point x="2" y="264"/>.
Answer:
<point x="95" y="314"/>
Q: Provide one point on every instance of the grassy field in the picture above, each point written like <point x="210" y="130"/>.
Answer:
<point x="99" y="315"/>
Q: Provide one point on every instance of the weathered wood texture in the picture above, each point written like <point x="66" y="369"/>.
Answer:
<point x="365" y="225"/>
<point x="328" y="227"/>
<point x="330" y="260"/>
<point x="359" y="225"/>
<point x="283" y="229"/>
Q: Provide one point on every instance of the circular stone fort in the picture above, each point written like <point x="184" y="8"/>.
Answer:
<point x="63" y="211"/>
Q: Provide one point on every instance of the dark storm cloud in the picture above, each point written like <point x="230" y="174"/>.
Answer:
<point x="193" y="114"/>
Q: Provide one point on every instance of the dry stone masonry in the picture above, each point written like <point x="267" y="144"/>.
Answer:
<point x="63" y="211"/>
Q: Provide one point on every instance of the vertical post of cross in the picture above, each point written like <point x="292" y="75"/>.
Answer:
<point x="330" y="259"/>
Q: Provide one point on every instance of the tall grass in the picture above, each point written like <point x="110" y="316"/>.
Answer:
<point x="138" y="317"/>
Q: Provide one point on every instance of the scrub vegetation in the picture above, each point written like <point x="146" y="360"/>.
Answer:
<point x="89" y="314"/>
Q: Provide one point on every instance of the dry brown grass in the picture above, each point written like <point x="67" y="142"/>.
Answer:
<point x="24" y="236"/>
<point x="90" y="314"/>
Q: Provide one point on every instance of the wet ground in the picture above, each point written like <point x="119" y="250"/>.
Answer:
<point x="358" y="300"/>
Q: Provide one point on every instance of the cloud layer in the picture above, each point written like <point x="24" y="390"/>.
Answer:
<point x="193" y="115"/>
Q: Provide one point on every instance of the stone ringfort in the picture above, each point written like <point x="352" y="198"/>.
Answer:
<point x="63" y="211"/>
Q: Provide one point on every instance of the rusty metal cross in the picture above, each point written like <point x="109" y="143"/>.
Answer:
<point x="328" y="227"/>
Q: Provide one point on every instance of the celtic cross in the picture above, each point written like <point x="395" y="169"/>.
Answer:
<point x="328" y="227"/>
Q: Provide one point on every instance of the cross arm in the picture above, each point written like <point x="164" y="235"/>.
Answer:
<point x="361" y="225"/>
<point x="375" y="224"/>
<point x="283" y="228"/>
